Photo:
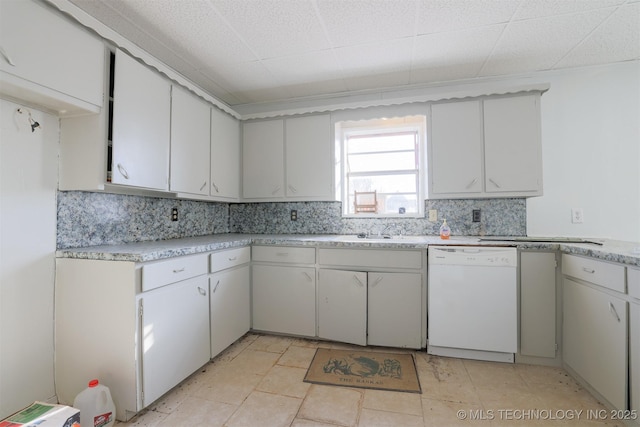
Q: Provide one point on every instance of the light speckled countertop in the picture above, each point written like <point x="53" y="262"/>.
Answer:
<point x="610" y="250"/>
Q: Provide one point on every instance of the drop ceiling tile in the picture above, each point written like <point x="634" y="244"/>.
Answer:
<point x="273" y="28"/>
<point x="373" y="81"/>
<point x="357" y="22"/>
<point x="617" y="39"/>
<point x="544" y="8"/>
<point x="376" y="58"/>
<point x="452" y="56"/>
<point x="450" y="15"/>
<point x="538" y="44"/>
<point x="317" y="88"/>
<point x="304" y="68"/>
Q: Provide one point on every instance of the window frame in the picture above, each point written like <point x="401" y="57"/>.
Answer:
<point x="414" y="123"/>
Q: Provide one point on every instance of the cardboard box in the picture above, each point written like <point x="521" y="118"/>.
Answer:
<point x="43" y="414"/>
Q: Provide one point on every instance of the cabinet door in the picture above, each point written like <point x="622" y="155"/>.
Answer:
<point x="230" y="314"/>
<point x="395" y="309"/>
<point x="263" y="159"/>
<point x="141" y="122"/>
<point x="175" y="335"/>
<point x="595" y="339"/>
<point x="225" y="155"/>
<point x="284" y="299"/>
<point x="44" y="49"/>
<point x="538" y="304"/>
<point x="342" y="306"/>
<point x="308" y="157"/>
<point x="512" y="144"/>
<point x="190" y="143"/>
<point x="455" y="155"/>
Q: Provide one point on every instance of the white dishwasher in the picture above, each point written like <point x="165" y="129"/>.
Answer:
<point x="473" y="302"/>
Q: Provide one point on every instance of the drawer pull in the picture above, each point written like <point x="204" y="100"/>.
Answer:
<point x="282" y="253"/>
<point x="178" y="270"/>
<point x="612" y="310"/>
<point x="471" y="183"/>
<point x="358" y="281"/>
<point x="202" y="291"/>
<point x="216" y="286"/>
<point x="588" y="270"/>
<point x="123" y="171"/>
<point x="233" y="258"/>
<point x="378" y="280"/>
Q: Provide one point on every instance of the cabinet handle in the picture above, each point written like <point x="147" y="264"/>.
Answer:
<point x="123" y="171"/>
<point x="309" y="278"/>
<point x="203" y="185"/>
<point x="293" y="189"/>
<point x="494" y="183"/>
<point x="612" y="310"/>
<point x="233" y="258"/>
<point x="202" y="291"/>
<point x="471" y="183"/>
<point x="282" y="253"/>
<point x="6" y="57"/>
<point x="215" y="288"/>
<point x="215" y="187"/>
<point x="275" y="191"/>
<point x="588" y="270"/>
<point x="178" y="270"/>
<point x="358" y="280"/>
<point x="378" y="280"/>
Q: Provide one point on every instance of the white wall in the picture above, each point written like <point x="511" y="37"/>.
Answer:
<point x="591" y="154"/>
<point x="28" y="182"/>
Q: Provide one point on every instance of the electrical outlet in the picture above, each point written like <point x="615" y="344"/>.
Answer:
<point x="294" y="215"/>
<point x="475" y="215"/>
<point x="577" y="215"/>
<point x="174" y="214"/>
<point x="433" y="215"/>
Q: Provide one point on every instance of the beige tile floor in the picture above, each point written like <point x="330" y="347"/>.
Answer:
<point x="258" y="381"/>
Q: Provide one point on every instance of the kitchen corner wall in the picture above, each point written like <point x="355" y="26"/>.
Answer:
<point x="90" y="219"/>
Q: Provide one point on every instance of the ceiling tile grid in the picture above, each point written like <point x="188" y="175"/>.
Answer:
<point x="260" y="51"/>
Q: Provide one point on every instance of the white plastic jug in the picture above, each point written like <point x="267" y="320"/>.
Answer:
<point x="96" y="406"/>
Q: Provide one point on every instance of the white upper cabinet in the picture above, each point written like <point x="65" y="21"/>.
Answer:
<point x="263" y="160"/>
<point x="308" y="157"/>
<point x="456" y="149"/>
<point x="190" y="143"/>
<point x="288" y="159"/>
<point x="225" y="156"/>
<point x="512" y="148"/>
<point x="485" y="148"/>
<point x="141" y="125"/>
<point x="47" y="60"/>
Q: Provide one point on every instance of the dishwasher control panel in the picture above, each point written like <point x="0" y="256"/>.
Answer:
<point x="473" y="255"/>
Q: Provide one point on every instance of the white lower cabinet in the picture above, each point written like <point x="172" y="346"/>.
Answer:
<point x="284" y="299"/>
<point x="342" y="306"/>
<point x="595" y="329"/>
<point x="229" y="297"/>
<point x="175" y="335"/>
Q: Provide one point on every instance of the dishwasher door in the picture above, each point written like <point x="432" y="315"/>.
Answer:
<point x="472" y="302"/>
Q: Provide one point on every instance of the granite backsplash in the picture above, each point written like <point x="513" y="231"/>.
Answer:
<point x="90" y="219"/>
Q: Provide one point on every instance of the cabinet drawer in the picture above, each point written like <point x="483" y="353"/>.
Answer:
<point x="633" y="280"/>
<point x="230" y="258"/>
<point x="371" y="258"/>
<point x="284" y="254"/>
<point x="598" y="272"/>
<point x="162" y="273"/>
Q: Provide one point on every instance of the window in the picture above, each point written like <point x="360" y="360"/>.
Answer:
<point x="381" y="166"/>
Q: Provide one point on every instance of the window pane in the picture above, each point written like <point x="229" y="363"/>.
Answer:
<point x="382" y="162"/>
<point x="383" y="183"/>
<point x="392" y="203"/>
<point x="374" y="143"/>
